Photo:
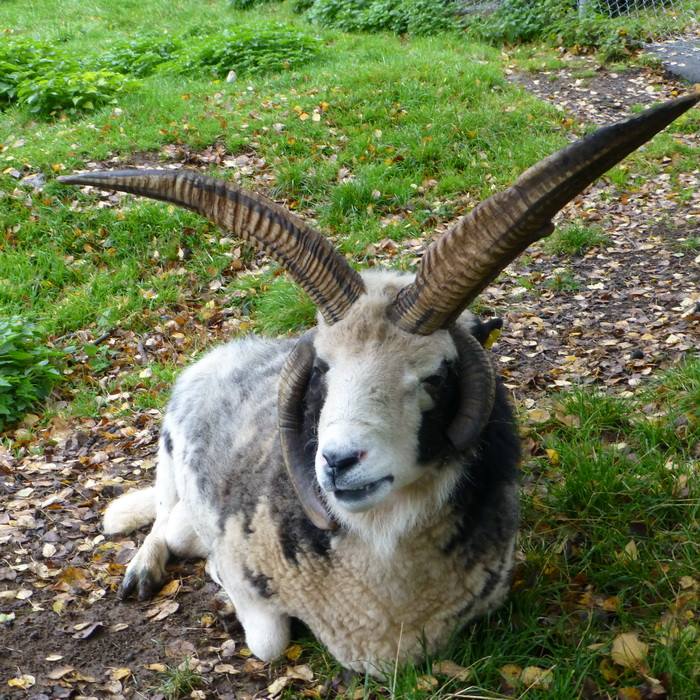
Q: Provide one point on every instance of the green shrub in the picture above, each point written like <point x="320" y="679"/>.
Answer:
<point x="24" y="59"/>
<point x="139" y="56"/>
<point x="615" y="35"/>
<point x="71" y="92"/>
<point x="246" y="4"/>
<point x="28" y="369"/>
<point x="246" y="50"/>
<point x="398" y="16"/>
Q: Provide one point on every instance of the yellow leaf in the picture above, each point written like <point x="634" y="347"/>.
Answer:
<point x="245" y="652"/>
<point x="293" y="652"/>
<point x="511" y="674"/>
<point x="494" y="335"/>
<point x="118" y="673"/>
<point x="536" y="677"/>
<point x="553" y="455"/>
<point x="608" y="671"/>
<point x="303" y="116"/>
<point x="628" y="650"/>
<point x="538" y="415"/>
<point x="426" y="683"/>
<point x="170" y="588"/>
<point x="207" y="620"/>
<point x="24" y="681"/>
<point x="628" y="694"/>
<point x="451" y="670"/>
<point x="631" y="550"/>
<point x="160" y="668"/>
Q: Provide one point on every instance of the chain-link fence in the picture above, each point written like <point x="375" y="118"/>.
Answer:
<point x="671" y="18"/>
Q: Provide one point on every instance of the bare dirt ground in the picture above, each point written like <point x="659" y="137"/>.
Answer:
<point x="613" y="317"/>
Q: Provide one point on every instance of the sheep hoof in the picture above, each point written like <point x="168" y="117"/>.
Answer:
<point x="140" y="581"/>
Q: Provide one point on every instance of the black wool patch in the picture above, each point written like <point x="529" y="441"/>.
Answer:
<point x="432" y="434"/>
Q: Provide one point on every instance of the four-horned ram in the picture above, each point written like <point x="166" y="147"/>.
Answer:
<point x="363" y="477"/>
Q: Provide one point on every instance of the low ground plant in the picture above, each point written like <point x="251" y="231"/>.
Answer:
<point x="576" y="239"/>
<point x="28" y="369"/>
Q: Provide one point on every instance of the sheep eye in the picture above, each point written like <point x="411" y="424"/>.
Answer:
<point x="320" y="368"/>
<point x="434" y="381"/>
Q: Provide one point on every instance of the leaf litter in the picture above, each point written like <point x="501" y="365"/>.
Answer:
<point x="610" y="317"/>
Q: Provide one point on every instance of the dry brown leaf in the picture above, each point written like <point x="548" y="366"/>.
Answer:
<point x="278" y="685"/>
<point x="225" y="668"/>
<point x="57" y="673"/>
<point x="302" y="672"/>
<point x="451" y="670"/>
<point x="426" y="683"/>
<point x="628" y="650"/>
<point x="628" y="694"/>
<point x="536" y="677"/>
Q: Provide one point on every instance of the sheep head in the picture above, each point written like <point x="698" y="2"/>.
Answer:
<point x="389" y="355"/>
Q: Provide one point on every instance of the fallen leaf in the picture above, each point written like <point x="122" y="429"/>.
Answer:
<point x="58" y="673"/>
<point x="89" y="631"/>
<point x="169" y="589"/>
<point x="160" y="668"/>
<point x="293" y="652"/>
<point x="511" y="674"/>
<point x="278" y="685"/>
<point x="426" y="683"/>
<point x="628" y="694"/>
<point x="451" y="670"/>
<point x="536" y="677"/>
<point x="631" y="550"/>
<point x="225" y="668"/>
<point x="301" y="672"/>
<point x="24" y="681"/>
<point x="628" y="650"/>
<point x="118" y="673"/>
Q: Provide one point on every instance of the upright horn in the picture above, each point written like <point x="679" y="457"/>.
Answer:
<point x="304" y="253"/>
<point x="469" y="255"/>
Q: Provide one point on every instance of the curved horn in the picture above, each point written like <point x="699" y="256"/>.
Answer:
<point x="298" y="455"/>
<point x="477" y="390"/>
<point x="466" y="258"/>
<point x="307" y="256"/>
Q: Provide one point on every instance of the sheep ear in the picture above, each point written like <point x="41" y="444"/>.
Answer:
<point x="293" y="383"/>
<point x="477" y="390"/>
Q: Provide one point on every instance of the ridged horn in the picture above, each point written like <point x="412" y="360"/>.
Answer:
<point x="297" y="451"/>
<point x="303" y="252"/>
<point x="468" y="256"/>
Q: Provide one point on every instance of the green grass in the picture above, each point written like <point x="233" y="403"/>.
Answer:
<point x="393" y="114"/>
<point x="576" y="239"/>
<point x="179" y="681"/>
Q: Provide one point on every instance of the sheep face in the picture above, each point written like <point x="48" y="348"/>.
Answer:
<point x="385" y="399"/>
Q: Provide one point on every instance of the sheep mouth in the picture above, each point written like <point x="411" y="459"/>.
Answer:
<point x="359" y="494"/>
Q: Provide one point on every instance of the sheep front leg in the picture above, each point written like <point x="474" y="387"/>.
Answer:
<point x="267" y="630"/>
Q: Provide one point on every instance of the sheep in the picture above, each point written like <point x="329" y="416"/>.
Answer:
<point x="362" y="477"/>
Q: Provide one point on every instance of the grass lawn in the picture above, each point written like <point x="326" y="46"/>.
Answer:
<point x="381" y="140"/>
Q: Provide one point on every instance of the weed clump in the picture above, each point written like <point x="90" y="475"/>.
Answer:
<point x="76" y="91"/>
<point x="35" y="75"/>
<point x="246" y="50"/>
<point x="28" y="369"/>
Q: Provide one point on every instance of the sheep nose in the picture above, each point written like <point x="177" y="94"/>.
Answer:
<point x="338" y="462"/>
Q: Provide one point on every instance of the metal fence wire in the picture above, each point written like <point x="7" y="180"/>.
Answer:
<point x="681" y="16"/>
